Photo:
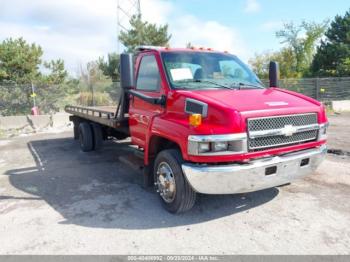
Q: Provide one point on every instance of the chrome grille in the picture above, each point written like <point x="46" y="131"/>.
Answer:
<point x="268" y="132"/>
<point x="276" y="122"/>
<point x="274" y="141"/>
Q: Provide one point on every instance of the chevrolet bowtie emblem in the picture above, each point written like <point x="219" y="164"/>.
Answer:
<point x="288" y="130"/>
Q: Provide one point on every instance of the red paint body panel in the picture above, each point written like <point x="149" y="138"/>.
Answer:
<point x="228" y="111"/>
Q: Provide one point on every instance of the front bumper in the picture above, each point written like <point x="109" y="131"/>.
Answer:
<point x="255" y="175"/>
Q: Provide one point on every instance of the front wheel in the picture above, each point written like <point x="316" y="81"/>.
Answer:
<point x="175" y="192"/>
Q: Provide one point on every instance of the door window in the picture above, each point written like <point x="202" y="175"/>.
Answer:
<point x="148" y="77"/>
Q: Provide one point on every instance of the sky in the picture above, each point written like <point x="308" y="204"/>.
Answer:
<point x="79" y="31"/>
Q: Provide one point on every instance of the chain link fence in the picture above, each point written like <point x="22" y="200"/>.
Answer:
<point x="322" y="89"/>
<point x="18" y="99"/>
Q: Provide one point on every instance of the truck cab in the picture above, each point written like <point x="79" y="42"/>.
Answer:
<point x="206" y="124"/>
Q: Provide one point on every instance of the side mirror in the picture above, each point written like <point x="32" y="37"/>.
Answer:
<point x="273" y="74"/>
<point x="127" y="76"/>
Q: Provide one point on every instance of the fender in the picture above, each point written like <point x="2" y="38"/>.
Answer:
<point x="168" y="129"/>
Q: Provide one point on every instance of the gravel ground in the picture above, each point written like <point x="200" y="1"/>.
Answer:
<point x="339" y="132"/>
<point x="54" y="199"/>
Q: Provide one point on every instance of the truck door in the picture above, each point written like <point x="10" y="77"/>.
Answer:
<point x="148" y="82"/>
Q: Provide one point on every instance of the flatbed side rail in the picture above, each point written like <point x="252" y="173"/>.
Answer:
<point x="89" y="111"/>
<point x="100" y="116"/>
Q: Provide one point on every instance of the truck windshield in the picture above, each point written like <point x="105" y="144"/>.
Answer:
<point x="202" y="70"/>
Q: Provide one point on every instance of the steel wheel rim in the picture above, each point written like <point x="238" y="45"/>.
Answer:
<point x="166" y="182"/>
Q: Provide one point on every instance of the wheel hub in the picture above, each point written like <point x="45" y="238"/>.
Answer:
<point x="166" y="182"/>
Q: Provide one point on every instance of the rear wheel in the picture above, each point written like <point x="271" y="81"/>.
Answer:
<point x="97" y="135"/>
<point x="86" y="137"/>
<point x="175" y="192"/>
<point x="76" y="130"/>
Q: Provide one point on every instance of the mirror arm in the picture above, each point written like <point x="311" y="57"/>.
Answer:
<point x="152" y="100"/>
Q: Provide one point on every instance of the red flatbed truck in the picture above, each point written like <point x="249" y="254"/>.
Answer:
<point x="206" y="124"/>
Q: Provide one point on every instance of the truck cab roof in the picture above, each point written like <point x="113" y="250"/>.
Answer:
<point x="145" y="48"/>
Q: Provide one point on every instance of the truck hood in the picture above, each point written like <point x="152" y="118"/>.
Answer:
<point x="250" y="101"/>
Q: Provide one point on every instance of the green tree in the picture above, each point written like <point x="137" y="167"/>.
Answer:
<point x="144" y="33"/>
<point x="302" y="39"/>
<point x="110" y="67"/>
<point x="140" y="33"/>
<point x="285" y="58"/>
<point x="333" y="55"/>
<point x="20" y="64"/>
<point x="58" y="73"/>
<point x="19" y="61"/>
<point x="51" y="87"/>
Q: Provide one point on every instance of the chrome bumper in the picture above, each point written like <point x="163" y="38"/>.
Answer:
<point x="255" y="175"/>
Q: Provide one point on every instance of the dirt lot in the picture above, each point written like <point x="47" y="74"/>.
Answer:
<point x="54" y="199"/>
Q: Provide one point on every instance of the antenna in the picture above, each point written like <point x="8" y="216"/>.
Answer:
<point x="125" y="10"/>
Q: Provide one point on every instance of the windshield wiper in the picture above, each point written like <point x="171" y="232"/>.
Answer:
<point x="206" y="81"/>
<point x="240" y="85"/>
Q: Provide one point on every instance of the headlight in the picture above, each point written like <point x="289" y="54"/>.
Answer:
<point x="322" y="132"/>
<point x="203" y="147"/>
<point x="217" y="144"/>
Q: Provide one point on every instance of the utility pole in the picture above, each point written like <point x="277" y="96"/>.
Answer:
<point x="33" y="95"/>
<point x="125" y="10"/>
<point x="34" y="110"/>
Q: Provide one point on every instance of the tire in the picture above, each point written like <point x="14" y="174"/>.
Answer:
<point x="183" y="197"/>
<point x="97" y="136"/>
<point x="76" y="131"/>
<point x="86" y="137"/>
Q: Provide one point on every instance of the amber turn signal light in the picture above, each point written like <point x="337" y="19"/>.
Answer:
<point x="195" y="119"/>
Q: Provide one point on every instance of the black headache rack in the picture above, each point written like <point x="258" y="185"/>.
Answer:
<point x="116" y="117"/>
